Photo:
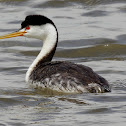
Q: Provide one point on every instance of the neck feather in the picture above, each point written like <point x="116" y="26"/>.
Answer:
<point x="47" y="52"/>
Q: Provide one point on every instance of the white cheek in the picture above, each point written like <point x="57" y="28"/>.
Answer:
<point x="34" y="33"/>
<point x="29" y="34"/>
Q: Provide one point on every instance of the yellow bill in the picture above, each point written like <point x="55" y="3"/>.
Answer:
<point x="14" y="34"/>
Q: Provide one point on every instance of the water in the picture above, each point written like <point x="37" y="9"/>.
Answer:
<point x="91" y="32"/>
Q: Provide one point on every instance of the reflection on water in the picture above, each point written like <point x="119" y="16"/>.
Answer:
<point x="92" y="33"/>
<point x="102" y="51"/>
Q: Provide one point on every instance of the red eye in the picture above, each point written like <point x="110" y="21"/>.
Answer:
<point x="27" y="28"/>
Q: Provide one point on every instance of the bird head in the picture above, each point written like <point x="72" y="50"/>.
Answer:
<point x="34" y="26"/>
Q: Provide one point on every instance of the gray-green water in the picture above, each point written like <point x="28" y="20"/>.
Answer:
<point x="91" y="32"/>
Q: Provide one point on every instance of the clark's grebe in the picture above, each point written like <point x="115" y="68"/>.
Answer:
<point x="61" y="76"/>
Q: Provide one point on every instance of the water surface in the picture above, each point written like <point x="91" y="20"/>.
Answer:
<point x="91" y="32"/>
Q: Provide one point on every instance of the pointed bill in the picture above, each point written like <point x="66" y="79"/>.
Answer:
<point x="14" y="34"/>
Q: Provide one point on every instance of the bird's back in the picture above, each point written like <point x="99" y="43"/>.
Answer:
<point x="68" y="77"/>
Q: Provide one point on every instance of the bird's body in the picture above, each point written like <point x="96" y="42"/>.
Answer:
<point x="67" y="77"/>
<point x="61" y="76"/>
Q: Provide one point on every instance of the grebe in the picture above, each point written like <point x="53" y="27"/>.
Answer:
<point x="60" y="76"/>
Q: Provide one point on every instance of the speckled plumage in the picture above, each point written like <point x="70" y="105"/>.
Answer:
<point x="68" y="77"/>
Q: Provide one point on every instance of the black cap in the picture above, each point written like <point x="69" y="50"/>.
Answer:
<point x="36" y="20"/>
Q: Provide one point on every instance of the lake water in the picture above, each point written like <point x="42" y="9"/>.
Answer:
<point x="91" y="32"/>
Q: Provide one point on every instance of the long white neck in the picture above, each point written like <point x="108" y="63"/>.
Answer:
<point x="48" y="49"/>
